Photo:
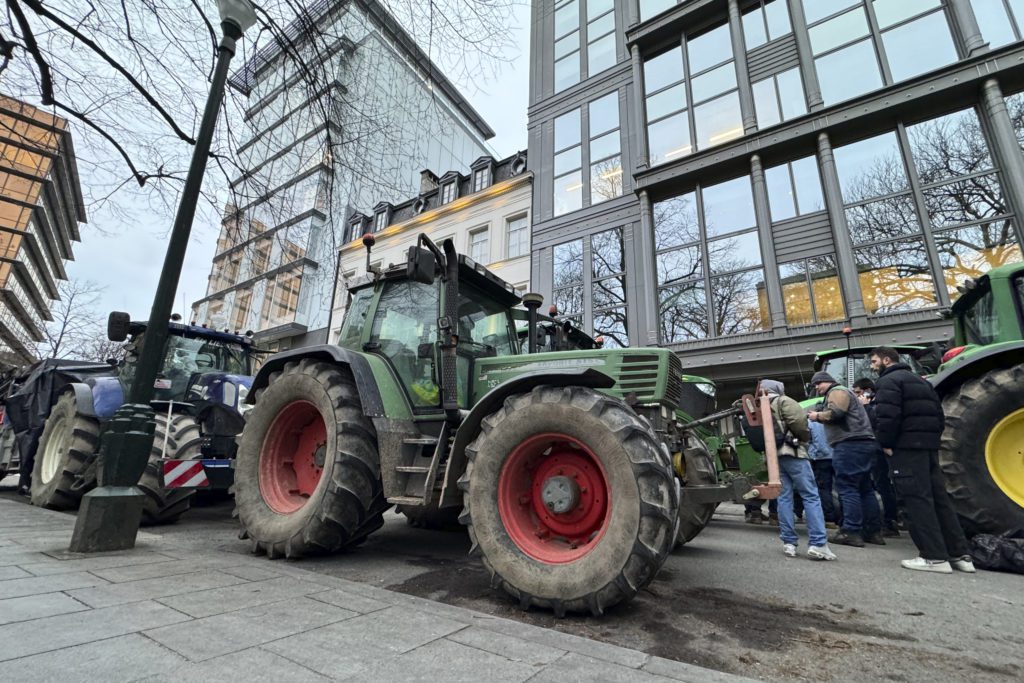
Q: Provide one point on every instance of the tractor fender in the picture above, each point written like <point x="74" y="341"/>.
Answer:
<point x="85" y="402"/>
<point x="493" y="399"/>
<point x="978" y="363"/>
<point x="369" y="394"/>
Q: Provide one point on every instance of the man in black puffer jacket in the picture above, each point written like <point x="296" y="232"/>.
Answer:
<point x="908" y="425"/>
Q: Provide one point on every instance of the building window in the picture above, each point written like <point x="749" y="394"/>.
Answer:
<point x="481" y="178"/>
<point x="518" y="236"/>
<point x="708" y="256"/>
<point x="381" y="221"/>
<point x="650" y="8"/>
<point x="779" y="98"/>
<point x="600" y="36"/>
<point x="600" y="49"/>
<point x="608" y="288"/>
<point x="479" y="246"/>
<point x="567" y="44"/>
<point x="1000" y="21"/>
<point x="811" y="291"/>
<point x="1015" y="106"/>
<point x="605" y="149"/>
<point x="794" y="189"/>
<point x="691" y="96"/>
<point x="568" y="164"/>
<point x="448" y="192"/>
<point x="764" y="22"/>
<point x="568" y="281"/>
<point x="914" y="38"/>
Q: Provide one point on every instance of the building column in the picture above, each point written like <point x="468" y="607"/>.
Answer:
<point x="1006" y="149"/>
<point x="643" y="160"/>
<point x="803" y="50"/>
<point x="739" y="50"/>
<point x="848" y="276"/>
<point x="967" y="23"/>
<point x="773" y="286"/>
<point x="648" y="274"/>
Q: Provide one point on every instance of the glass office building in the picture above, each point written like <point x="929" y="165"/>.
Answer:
<point x="746" y="178"/>
<point x="41" y="206"/>
<point x="316" y="154"/>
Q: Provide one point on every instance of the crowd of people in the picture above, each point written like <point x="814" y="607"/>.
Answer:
<point x="875" y="437"/>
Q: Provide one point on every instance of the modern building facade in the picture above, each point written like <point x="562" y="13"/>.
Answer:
<point x="739" y="180"/>
<point x="486" y="212"/>
<point x="317" y="153"/>
<point x="41" y="206"/>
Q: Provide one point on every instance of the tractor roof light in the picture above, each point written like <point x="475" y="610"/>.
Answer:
<point x="952" y="353"/>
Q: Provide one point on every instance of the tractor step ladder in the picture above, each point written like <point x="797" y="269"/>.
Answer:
<point x="419" y="481"/>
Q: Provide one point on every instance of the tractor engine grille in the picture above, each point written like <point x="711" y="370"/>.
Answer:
<point x="674" y="386"/>
<point x="640" y="374"/>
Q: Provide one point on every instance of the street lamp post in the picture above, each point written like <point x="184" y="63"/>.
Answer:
<point x="109" y="515"/>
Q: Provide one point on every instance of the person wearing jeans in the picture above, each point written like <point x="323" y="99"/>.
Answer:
<point x="797" y="476"/>
<point x="854" y="448"/>
<point x="820" y="455"/>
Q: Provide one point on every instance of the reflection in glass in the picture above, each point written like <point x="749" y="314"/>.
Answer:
<point x="766" y="103"/>
<point x="839" y="30"/>
<point x="567" y="161"/>
<point x="894" y="277"/>
<point x="791" y="93"/>
<point x="567" y="130"/>
<point x="718" y="121"/>
<point x="678" y="265"/>
<point x="920" y="46"/>
<point x="811" y="291"/>
<point x="604" y="114"/>
<point x="973" y="251"/>
<point x="807" y="181"/>
<point x="963" y="201"/>
<point x="738" y="303"/>
<point x="567" y="72"/>
<point x="885" y="219"/>
<point x="796" y="294"/>
<point x="663" y="70"/>
<point x="1015" y="105"/>
<point x="889" y="12"/>
<point x="728" y="206"/>
<point x="609" y="292"/>
<point x="648" y="8"/>
<point x="606" y="252"/>
<point x="794" y="189"/>
<point x="611" y="325"/>
<point x="870" y="168"/>
<point x="848" y="72"/>
<point x="669" y="138"/>
<point x="996" y="27"/>
<point x="568" y="263"/>
<point x="709" y="49"/>
<point x="568" y="193"/>
<point x="675" y="221"/>
<point x="569" y="300"/>
<point x="828" y="295"/>
<point x="601" y="54"/>
<point x="568" y="44"/>
<point x="604" y="146"/>
<point x="734" y="253"/>
<point x="683" y="312"/>
<point x="765" y="21"/>
<point x="781" y="199"/>
<point x="666" y="102"/>
<point x="606" y="180"/>
<point x="713" y="82"/>
<point x="819" y="9"/>
<point x="567" y="17"/>
<point x="948" y="147"/>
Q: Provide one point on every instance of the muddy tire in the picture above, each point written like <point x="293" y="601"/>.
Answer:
<point x="981" y="453"/>
<point x="586" y="454"/>
<point x="444" y="519"/>
<point x="302" y="488"/>
<point x="184" y="440"/>
<point x="66" y="449"/>
<point x="700" y="471"/>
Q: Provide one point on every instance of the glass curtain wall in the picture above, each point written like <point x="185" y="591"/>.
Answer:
<point x="570" y="53"/>
<point x="1001" y="21"/>
<point x="606" y="280"/>
<point x="572" y="188"/>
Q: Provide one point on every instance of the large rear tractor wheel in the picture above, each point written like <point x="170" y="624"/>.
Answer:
<point x="982" y="453"/>
<point x="66" y="449"/>
<point x="570" y="499"/>
<point x="307" y="477"/>
<point x="183" y="442"/>
<point x="697" y="469"/>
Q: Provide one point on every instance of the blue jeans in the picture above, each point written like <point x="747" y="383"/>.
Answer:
<point x="797" y="475"/>
<point x="853" y="462"/>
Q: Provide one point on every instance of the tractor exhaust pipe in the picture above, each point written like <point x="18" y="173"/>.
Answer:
<point x="532" y="301"/>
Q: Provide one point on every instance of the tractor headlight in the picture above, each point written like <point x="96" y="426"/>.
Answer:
<point x="243" y="393"/>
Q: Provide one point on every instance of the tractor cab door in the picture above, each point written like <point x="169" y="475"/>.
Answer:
<point x="404" y="332"/>
<point x="485" y="329"/>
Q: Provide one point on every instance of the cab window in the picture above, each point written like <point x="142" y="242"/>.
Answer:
<point x="406" y="318"/>
<point x="980" y="321"/>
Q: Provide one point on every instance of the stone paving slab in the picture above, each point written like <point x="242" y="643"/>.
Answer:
<point x="149" y="589"/>
<point x="445" y="660"/>
<point x="222" y="634"/>
<point x="218" y="600"/>
<point x="79" y="563"/>
<point x="254" y="664"/>
<point x="37" y="607"/>
<point x="36" y="585"/>
<point x="125" y="658"/>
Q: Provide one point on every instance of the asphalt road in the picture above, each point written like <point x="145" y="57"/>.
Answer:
<point x="729" y="600"/>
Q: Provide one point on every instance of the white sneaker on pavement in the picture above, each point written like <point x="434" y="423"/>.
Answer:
<point x="821" y="552"/>
<point x="789" y="549"/>
<point x="963" y="564"/>
<point x="922" y="565"/>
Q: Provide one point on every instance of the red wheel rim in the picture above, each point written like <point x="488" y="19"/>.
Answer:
<point x="292" y="457"/>
<point x="537" y="466"/>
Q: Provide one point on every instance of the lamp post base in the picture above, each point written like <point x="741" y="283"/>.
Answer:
<point x="108" y="519"/>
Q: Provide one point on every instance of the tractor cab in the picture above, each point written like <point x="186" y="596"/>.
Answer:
<point x="199" y="364"/>
<point x="850" y="365"/>
<point x="989" y="312"/>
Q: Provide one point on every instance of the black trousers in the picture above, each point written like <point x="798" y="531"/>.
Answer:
<point x="823" y="475"/>
<point x="934" y="526"/>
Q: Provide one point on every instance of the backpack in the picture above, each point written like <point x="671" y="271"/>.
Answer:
<point x="755" y="434"/>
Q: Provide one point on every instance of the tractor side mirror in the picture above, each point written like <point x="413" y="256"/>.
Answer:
<point x="118" y="324"/>
<point x="421" y="265"/>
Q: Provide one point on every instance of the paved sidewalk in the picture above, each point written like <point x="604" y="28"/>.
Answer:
<point x="167" y="611"/>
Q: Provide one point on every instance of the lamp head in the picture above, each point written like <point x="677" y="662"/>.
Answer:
<point x="240" y="13"/>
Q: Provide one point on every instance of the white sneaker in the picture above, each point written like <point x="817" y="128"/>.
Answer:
<point x="789" y="549"/>
<point x="922" y="565"/>
<point x="963" y="564"/>
<point x="821" y="552"/>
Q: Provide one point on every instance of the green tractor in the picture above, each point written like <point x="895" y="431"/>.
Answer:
<point x="981" y="382"/>
<point x="560" y="462"/>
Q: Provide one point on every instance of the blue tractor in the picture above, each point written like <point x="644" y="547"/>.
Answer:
<point x="59" y="410"/>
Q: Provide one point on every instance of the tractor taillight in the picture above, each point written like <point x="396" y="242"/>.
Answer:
<point x="952" y="353"/>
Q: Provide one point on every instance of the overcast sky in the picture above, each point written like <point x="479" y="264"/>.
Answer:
<point x="127" y="263"/>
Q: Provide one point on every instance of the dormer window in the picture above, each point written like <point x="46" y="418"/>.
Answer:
<point x="356" y="225"/>
<point x="481" y="178"/>
<point x="448" y="192"/>
<point x="381" y="221"/>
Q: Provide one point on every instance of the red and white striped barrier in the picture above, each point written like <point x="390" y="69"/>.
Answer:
<point x="184" y="474"/>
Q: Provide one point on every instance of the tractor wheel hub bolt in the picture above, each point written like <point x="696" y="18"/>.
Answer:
<point x="560" y="494"/>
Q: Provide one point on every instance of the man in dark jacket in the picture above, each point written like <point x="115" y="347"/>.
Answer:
<point x="864" y="390"/>
<point x="909" y="421"/>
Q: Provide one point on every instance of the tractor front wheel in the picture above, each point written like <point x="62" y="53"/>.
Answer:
<point x="307" y="475"/>
<point x="66" y="449"/>
<point x="183" y="440"/>
<point x="698" y="469"/>
<point x="570" y="499"/>
<point x="982" y="453"/>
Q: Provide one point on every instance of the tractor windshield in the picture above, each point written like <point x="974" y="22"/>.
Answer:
<point x="185" y="359"/>
<point x="849" y="369"/>
<point x="980" y="321"/>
